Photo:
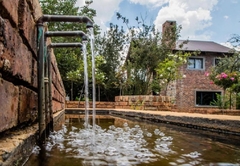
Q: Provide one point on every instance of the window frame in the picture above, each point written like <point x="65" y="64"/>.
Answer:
<point x="212" y="91"/>
<point x="198" y="57"/>
<point x="214" y="60"/>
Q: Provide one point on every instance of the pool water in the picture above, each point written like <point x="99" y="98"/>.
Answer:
<point x="123" y="142"/>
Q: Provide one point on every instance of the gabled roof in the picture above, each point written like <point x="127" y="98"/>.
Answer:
<point x="203" y="46"/>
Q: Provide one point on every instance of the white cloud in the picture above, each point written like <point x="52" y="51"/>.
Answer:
<point x="234" y="1"/>
<point x="226" y="17"/>
<point x="105" y="10"/>
<point x="228" y="44"/>
<point x="152" y="3"/>
<point x="193" y="16"/>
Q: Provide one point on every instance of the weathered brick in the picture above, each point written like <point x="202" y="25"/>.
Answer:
<point x="35" y="8"/>
<point x="57" y="106"/>
<point x="118" y="107"/>
<point x="27" y="105"/>
<point x="27" y="25"/>
<point x="10" y="8"/>
<point x="8" y="105"/>
<point x="22" y="63"/>
<point x="116" y="98"/>
<point x="123" y="103"/>
<point x="34" y="78"/>
<point x="18" y="55"/>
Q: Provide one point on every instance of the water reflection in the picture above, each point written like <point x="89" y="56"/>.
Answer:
<point x="126" y="143"/>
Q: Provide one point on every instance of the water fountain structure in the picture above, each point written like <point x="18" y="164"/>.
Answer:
<point x="44" y="73"/>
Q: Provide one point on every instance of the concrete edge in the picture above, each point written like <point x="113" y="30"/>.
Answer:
<point x="17" y="146"/>
<point x="201" y="123"/>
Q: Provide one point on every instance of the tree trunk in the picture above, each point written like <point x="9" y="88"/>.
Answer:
<point x="99" y="92"/>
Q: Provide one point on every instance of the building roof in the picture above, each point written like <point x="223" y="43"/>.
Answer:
<point x="203" y="46"/>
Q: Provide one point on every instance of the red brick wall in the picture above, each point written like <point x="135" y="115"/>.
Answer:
<point x="18" y="64"/>
<point x="143" y="102"/>
<point x="195" y="80"/>
<point x="58" y="91"/>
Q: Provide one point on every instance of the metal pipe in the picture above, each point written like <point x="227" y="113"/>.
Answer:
<point x="57" y="45"/>
<point x="66" y="18"/>
<point x="46" y="90"/>
<point x="41" y="109"/>
<point x="64" y="33"/>
<point x="49" y="64"/>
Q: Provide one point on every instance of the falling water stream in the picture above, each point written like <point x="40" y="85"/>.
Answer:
<point x="91" y="36"/>
<point x="84" y="48"/>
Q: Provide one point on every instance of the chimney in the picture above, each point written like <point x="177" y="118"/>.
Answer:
<point x="169" y="36"/>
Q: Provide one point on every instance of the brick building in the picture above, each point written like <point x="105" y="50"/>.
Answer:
<point x="195" y="89"/>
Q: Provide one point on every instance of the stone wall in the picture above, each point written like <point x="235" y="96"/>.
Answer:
<point x="143" y="102"/>
<point x="18" y="65"/>
<point x="81" y="104"/>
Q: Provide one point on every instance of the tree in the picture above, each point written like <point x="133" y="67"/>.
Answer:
<point x="78" y="75"/>
<point x="111" y="46"/>
<point x="235" y="40"/>
<point x="147" y="54"/>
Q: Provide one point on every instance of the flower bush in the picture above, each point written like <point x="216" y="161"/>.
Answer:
<point x="224" y="79"/>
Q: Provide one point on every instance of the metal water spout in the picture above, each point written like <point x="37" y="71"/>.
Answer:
<point x="66" y="18"/>
<point x="60" y="45"/>
<point x="65" y="33"/>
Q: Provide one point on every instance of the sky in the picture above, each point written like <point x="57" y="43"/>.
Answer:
<point x="207" y="20"/>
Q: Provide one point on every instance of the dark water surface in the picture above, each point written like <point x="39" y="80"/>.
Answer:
<point x="123" y="142"/>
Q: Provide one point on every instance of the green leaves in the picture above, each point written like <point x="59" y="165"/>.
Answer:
<point x="168" y="69"/>
<point x="227" y="72"/>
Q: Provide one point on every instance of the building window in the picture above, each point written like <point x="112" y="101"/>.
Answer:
<point x="196" y="63"/>
<point x="206" y="98"/>
<point x="216" y="61"/>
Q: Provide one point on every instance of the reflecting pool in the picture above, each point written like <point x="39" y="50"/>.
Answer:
<point x="124" y="142"/>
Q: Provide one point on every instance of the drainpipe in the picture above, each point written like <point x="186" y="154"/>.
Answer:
<point x="46" y="91"/>
<point x="49" y="64"/>
<point x="41" y="103"/>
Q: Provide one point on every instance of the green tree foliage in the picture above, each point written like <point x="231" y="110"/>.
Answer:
<point x="77" y="76"/>
<point x="111" y="46"/>
<point x="226" y="73"/>
<point x="168" y="69"/>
